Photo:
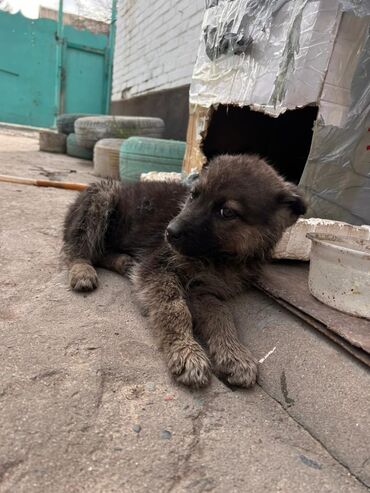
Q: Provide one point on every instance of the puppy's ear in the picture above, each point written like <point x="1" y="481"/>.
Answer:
<point x="191" y="178"/>
<point x="292" y="199"/>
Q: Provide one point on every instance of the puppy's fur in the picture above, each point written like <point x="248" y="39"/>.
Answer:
<point x="187" y="253"/>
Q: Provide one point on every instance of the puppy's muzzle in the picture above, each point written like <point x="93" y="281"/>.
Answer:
<point x="174" y="232"/>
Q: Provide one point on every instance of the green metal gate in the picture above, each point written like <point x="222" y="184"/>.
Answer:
<point x="35" y="85"/>
<point x="84" y="75"/>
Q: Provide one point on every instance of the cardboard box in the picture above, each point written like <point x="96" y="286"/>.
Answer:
<point x="278" y="56"/>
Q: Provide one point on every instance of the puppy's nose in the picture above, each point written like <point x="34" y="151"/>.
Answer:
<point x="173" y="232"/>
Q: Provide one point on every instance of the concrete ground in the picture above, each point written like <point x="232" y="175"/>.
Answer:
<point x="86" y="404"/>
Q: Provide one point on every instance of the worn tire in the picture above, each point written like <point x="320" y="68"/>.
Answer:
<point x="142" y="155"/>
<point x="91" y="129"/>
<point x="106" y="157"/>
<point x="66" y="123"/>
<point x="73" y="149"/>
<point x="50" y="141"/>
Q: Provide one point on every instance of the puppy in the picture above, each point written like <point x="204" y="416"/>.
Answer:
<point x="187" y="253"/>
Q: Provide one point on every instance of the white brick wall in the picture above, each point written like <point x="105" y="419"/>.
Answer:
<point x="156" y="45"/>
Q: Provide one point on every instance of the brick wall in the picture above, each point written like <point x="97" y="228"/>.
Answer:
<point x="156" y="45"/>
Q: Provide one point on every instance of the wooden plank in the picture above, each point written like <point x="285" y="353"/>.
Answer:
<point x="358" y="353"/>
<point x="288" y="282"/>
<point x="194" y="158"/>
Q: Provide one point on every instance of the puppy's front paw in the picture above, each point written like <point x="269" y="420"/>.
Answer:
<point x="83" y="277"/>
<point x="121" y="263"/>
<point x="237" y="366"/>
<point x="189" y="365"/>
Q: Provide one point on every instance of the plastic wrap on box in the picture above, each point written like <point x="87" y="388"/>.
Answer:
<point x="278" y="55"/>
<point x="336" y="178"/>
<point x="360" y="8"/>
<point x="266" y="54"/>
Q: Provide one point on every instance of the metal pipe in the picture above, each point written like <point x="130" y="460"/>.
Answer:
<point x="59" y="60"/>
<point x="111" y="44"/>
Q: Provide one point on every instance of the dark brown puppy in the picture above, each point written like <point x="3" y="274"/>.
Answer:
<point x="187" y="253"/>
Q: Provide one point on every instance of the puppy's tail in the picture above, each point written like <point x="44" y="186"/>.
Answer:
<point x="87" y="221"/>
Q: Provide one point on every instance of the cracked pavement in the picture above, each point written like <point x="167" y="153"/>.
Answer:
<point x="86" y="404"/>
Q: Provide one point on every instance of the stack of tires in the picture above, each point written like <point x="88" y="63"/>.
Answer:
<point x="105" y="135"/>
<point x="123" y="147"/>
<point x="63" y="141"/>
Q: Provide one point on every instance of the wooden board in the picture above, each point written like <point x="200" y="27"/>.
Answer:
<point x="287" y="283"/>
<point x="194" y="158"/>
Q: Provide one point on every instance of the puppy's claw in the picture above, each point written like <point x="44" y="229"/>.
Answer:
<point x="190" y="366"/>
<point x="83" y="277"/>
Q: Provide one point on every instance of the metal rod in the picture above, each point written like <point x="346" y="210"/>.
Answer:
<point x="111" y="43"/>
<point x="59" y="60"/>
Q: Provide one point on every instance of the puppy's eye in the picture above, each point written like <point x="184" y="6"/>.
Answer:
<point x="227" y="213"/>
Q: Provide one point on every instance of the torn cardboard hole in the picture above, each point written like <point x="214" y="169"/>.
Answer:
<point x="283" y="141"/>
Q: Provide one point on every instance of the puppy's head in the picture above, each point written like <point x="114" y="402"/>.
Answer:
<point x="239" y="207"/>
